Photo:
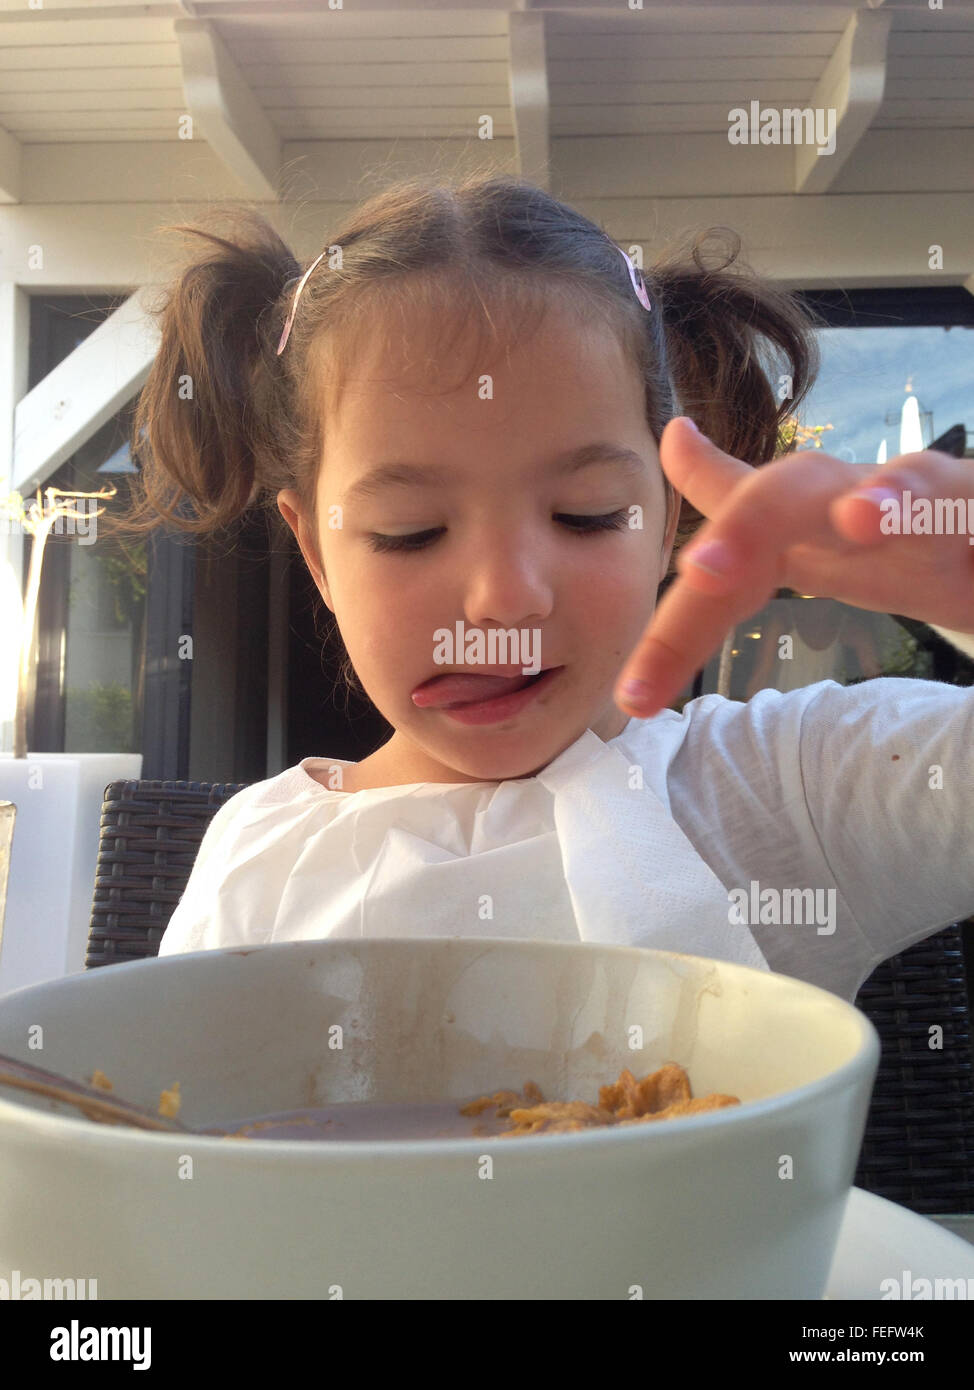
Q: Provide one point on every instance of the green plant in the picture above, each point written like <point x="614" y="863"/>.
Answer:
<point x="126" y="574"/>
<point x="793" y="436"/>
<point x="100" y="719"/>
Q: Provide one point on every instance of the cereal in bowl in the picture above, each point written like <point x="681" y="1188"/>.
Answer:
<point x="663" y="1095"/>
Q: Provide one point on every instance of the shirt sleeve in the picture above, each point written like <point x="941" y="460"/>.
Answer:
<point x="865" y="790"/>
<point x="888" y="768"/>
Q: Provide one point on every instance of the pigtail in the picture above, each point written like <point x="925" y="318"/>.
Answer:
<point x="719" y="325"/>
<point x="207" y="426"/>
<point x="715" y="320"/>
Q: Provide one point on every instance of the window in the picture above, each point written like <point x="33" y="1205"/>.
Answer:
<point x="897" y="375"/>
<point x="92" y="608"/>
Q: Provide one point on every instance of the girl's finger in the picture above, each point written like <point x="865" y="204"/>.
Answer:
<point x="695" y="466"/>
<point x="878" y="507"/>
<point x="857" y="516"/>
<point x="729" y="572"/>
<point x="795" y="517"/>
<point x="783" y="504"/>
<point x="685" y="631"/>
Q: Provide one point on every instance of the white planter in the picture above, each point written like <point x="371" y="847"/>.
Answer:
<point x="52" y="863"/>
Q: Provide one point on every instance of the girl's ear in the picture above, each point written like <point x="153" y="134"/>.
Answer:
<point x="290" y="508"/>
<point x="674" y="501"/>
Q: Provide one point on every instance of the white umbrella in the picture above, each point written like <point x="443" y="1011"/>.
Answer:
<point x="911" y="431"/>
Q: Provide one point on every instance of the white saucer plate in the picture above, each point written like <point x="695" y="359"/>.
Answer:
<point x="885" y="1252"/>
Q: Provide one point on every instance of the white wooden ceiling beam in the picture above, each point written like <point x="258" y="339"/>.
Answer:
<point x="809" y="242"/>
<point x="851" y="85"/>
<point x="214" y="9"/>
<point x="74" y="400"/>
<point x="230" y="118"/>
<point x="529" y="95"/>
<point x="11" y="167"/>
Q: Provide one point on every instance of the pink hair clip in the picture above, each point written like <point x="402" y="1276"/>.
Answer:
<point x="637" y="281"/>
<point x="294" y="307"/>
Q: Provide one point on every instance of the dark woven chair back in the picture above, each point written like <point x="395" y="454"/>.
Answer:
<point x="150" y="836"/>
<point x="918" y="1148"/>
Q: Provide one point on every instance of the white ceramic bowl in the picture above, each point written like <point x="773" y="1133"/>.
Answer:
<point x="744" y="1202"/>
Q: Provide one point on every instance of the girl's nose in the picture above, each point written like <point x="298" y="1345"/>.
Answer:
<point x="506" y="583"/>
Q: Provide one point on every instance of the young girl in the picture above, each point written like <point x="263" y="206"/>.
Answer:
<point x="465" y="411"/>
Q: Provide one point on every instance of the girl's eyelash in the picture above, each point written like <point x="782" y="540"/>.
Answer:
<point x="417" y="541"/>
<point x="610" y="521"/>
<point x="580" y="525"/>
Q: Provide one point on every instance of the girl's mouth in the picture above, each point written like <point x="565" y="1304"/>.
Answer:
<point x="493" y="697"/>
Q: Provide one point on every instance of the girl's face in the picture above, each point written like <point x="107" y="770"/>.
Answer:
<point x="506" y="552"/>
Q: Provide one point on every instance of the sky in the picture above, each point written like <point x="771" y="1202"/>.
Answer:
<point x="863" y="379"/>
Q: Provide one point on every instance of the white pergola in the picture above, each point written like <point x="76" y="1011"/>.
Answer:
<point x="117" y="118"/>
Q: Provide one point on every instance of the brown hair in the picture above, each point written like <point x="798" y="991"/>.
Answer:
<point x="223" y="422"/>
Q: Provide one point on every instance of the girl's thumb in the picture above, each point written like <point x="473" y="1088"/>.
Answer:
<point x="690" y="424"/>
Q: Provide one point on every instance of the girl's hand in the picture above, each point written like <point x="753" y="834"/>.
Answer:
<point x="806" y="522"/>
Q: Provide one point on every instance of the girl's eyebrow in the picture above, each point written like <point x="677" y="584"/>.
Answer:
<point x="436" y="475"/>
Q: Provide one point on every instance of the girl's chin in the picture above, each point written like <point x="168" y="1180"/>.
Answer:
<point x="485" y="755"/>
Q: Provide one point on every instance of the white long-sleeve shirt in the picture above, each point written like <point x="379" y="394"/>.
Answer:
<point x="862" y="794"/>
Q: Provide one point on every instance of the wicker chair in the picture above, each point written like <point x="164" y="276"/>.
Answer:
<point x="918" y="1148"/>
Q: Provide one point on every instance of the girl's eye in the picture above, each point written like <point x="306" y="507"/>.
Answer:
<point x="580" y="525"/>
<point x="610" y="521"/>
<point x="416" y="541"/>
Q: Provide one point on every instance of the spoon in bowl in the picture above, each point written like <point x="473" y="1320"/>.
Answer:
<point x="96" y="1103"/>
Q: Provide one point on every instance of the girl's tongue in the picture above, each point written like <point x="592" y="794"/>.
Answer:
<point x="455" y="689"/>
